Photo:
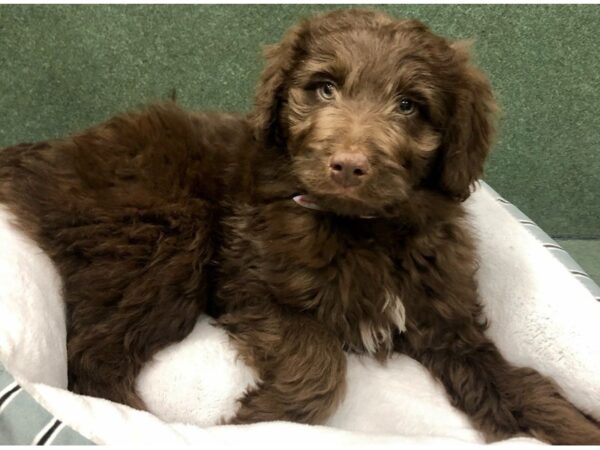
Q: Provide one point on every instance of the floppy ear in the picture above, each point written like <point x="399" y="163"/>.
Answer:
<point x="269" y="97"/>
<point x="469" y="129"/>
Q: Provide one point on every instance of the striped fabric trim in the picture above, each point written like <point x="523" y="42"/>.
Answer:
<point x="10" y="392"/>
<point x="553" y="247"/>
<point x="23" y="421"/>
<point x="48" y="433"/>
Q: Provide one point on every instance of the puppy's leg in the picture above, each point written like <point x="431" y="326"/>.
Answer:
<point x="123" y="310"/>
<point x="300" y="364"/>
<point x="500" y="399"/>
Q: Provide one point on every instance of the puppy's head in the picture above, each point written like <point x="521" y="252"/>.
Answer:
<point x="373" y="110"/>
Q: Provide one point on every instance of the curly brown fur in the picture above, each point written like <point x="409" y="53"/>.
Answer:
<point x="157" y="216"/>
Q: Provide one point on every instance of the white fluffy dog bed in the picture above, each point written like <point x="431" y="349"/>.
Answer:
<point x="541" y="315"/>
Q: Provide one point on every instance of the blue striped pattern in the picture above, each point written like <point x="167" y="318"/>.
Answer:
<point x="23" y="421"/>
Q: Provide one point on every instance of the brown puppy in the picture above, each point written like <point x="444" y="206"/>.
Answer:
<point x="154" y="217"/>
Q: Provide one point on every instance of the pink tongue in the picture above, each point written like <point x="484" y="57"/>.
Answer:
<point x="307" y="202"/>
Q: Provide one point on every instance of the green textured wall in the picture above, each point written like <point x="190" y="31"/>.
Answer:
<point x="63" y="68"/>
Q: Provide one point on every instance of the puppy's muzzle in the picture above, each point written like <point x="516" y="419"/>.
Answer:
<point x="349" y="169"/>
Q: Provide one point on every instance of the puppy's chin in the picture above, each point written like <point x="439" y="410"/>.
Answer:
<point x="381" y="200"/>
<point x="347" y="206"/>
<point x="344" y="206"/>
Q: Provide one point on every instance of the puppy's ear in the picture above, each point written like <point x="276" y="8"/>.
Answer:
<point x="469" y="129"/>
<point x="280" y="59"/>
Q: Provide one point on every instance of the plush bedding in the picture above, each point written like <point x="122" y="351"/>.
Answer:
<point x="543" y="309"/>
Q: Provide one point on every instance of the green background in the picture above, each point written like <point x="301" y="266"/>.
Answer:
<point x="63" y="68"/>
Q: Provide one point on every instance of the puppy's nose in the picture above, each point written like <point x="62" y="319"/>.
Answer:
<point x="348" y="169"/>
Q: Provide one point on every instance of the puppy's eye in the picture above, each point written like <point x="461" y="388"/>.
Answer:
<point x="406" y="105"/>
<point x="326" y="90"/>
